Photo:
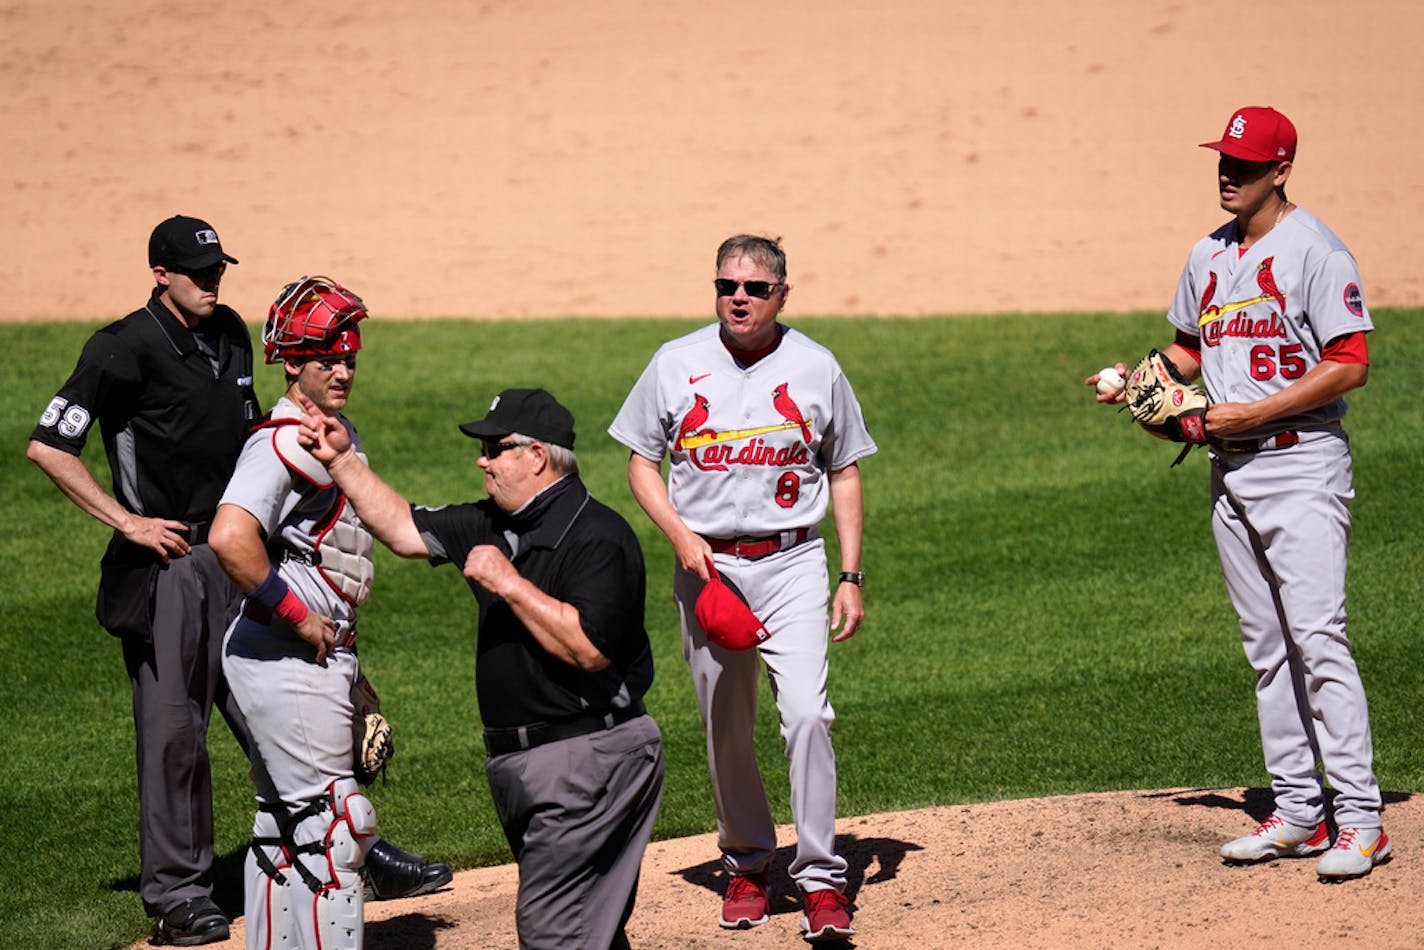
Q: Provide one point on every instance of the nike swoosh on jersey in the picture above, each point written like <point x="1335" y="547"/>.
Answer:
<point x="692" y="380"/>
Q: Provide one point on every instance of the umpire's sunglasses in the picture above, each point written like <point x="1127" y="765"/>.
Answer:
<point x="493" y="450"/>
<point x="761" y="289"/>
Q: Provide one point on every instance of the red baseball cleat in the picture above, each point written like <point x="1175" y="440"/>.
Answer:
<point x="827" y="916"/>
<point x="745" y="905"/>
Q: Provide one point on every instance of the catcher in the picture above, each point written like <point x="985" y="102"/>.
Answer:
<point x="291" y="543"/>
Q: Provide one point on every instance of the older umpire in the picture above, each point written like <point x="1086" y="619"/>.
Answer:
<point x="575" y="764"/>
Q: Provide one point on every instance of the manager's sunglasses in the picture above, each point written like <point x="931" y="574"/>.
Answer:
<point x="761" y="289"/>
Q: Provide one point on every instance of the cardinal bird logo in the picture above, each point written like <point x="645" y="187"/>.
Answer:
<point x="1267" y="282"/>
<point x="692" y="422"/>
<point x="1208" y="294"/>
<point x="784" y="404"/>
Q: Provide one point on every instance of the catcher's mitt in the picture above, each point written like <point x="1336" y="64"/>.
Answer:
<point x="1164" y="403"/>
<point x="371" y="742"/>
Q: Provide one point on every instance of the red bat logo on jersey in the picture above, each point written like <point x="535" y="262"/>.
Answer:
<point x="784" y="404"/>
<point x="1267" y="282"/>
<point x="712" y="450"/>
<point x="692" y="422"/>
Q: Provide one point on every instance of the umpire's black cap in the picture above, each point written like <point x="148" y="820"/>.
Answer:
<point x="531" y="412"/>
<point x="185" y="243"/>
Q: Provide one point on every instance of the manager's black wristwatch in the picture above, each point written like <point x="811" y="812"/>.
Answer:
<point x="853" y="577"/>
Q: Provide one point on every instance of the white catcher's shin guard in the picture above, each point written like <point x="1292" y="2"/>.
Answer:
<point x="270" y="903"/>
<point x="317" y="905"/>
<point x="352" y="830"/>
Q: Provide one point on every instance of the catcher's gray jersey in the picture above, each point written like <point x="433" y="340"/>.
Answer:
<point x="750" y="448"/>
<point x="320" y="547"/>
<point x="1265" y="316"/>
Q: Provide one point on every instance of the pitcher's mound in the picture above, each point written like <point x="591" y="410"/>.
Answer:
<point x="1122" y="869"/>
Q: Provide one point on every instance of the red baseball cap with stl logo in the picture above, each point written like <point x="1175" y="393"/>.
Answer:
<point x="1257" y="134"/>
<point x="724" y="615"/>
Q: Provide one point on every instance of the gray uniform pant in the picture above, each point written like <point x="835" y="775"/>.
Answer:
<point x="578" y="814"/>
<point x="1282" y="524"/>
<point x="788" y="593"/>
<point x="177" y="680"/>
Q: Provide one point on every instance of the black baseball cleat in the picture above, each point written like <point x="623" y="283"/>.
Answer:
<point x="392" y="873"/>
<point x="191" y="924"/>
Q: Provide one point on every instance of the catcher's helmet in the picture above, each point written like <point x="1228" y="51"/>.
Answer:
<point x="314" y="316"/>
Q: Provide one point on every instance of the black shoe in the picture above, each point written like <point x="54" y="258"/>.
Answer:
<point x="391" y="872"/>
<point x="192" y="923"/>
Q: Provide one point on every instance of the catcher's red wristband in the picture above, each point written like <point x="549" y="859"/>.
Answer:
<point x="274" y="594"/>
<point x="291" y="609"/>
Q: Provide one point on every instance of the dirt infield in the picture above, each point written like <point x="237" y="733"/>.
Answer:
<point x="547" y="157"/>
<point x="1127" y="869"/>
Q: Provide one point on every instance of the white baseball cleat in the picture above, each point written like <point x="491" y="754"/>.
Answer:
<point x="1277" y="838"/>
<point x="1355" y="854"/>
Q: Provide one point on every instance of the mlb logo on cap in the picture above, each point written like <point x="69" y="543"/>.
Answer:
<point x="182" y="243"/>
<point x="1257" y="134"/>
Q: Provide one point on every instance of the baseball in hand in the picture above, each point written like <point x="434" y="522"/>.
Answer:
<point x="1110" y="381"/>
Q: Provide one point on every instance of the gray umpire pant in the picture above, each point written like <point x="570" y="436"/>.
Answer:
<point x="177" y="680"/>
<point x="578" y="814"/>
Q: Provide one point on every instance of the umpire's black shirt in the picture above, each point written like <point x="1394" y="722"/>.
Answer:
<point x="577" y="550"/>
<point x="173" y="416"/>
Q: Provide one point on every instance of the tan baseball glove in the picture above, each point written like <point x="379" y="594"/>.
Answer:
<point x="371" y="743"/>
<point x="1164" y="403"/>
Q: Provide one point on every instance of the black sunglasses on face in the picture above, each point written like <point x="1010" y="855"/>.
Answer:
<point x="761" y="289"/>
<point x="493" y="450"/>
<point x="211" y="272"/>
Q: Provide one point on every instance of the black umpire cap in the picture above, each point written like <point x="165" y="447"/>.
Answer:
<point x="531" y="412"/>
<point x="187" y="244"/>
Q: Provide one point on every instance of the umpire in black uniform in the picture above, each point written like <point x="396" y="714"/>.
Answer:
<point x="575" y="764"/>
<point x="171" y="388"/>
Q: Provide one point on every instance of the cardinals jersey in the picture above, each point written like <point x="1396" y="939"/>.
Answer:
<point x="750" y="447"/>
<point x="1265" y="316"/>
<point x="319" y="546"/>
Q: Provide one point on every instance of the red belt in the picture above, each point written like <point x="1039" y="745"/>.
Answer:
<point x="753" y="548"/>
<point x="1281" y="440"/>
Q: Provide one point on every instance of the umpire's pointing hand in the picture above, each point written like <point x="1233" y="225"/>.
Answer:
<point x="321" y="435"/>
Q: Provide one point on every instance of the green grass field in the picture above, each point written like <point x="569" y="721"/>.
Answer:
<point x="1045" y="610"/>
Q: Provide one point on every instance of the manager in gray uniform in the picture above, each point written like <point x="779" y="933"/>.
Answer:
<point x="575" y="764"/>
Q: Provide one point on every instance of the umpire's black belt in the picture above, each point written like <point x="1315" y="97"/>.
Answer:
<point x="1281" y="440"/>
<point x="519" y="738"/>
<point x="753" y="548"/>
<point x="197" y="532"/>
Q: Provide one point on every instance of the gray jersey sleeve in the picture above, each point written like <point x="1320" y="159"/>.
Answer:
<point x="846" y="439"/>
<point x="261" y="484"/>
<point x="642" y="424"/>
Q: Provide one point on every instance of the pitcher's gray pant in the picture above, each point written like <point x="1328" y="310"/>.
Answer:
<point x="176" y="681"/>
<point x="578" y="814"/>
<point x="1282" y="524"/>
